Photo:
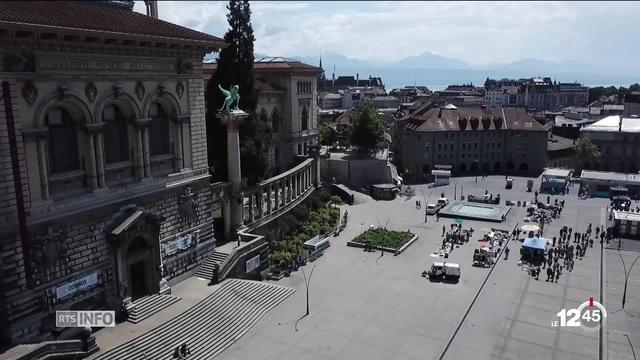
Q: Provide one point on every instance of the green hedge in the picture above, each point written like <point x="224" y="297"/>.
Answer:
<point x="384" y="238"/>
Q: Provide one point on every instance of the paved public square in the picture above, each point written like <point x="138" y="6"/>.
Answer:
<point x="365" y="305"/>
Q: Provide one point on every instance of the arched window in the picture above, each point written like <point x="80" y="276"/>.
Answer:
<point x="304" y="118"/>
<point x="160" y="138"/>
<point x="116" y="135"/>
<point x="63" y="142"/>
<point x="264" y="117"/>
<point x="275" y="121"/>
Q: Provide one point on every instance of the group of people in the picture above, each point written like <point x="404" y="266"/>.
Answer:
<point x="565" y="248"/>
<point x="181" y="352"/>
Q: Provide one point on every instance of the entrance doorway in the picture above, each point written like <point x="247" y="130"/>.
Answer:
<point x="138" y="255"/>
<point x="138" y="281"/>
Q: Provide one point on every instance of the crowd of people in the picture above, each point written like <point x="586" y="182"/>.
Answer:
<point x="567" y="247"/>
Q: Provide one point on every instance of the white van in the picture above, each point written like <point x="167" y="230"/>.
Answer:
<point x="432" y="209"/>
<point x="442" y="202"/>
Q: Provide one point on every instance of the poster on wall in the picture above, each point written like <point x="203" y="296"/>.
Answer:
<point x="170" y="248"/>
<point x="253" y="263"/>
<point x="184" y="242"/>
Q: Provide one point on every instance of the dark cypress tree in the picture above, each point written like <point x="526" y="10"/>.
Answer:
<point x="235" y="67"/>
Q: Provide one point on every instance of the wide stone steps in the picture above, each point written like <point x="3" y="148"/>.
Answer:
<point x="209" y="327"/>
<point x="206" y="268"/>
<point x="149" y="305"/>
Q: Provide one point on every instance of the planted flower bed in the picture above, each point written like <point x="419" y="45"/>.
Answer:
<point x="384" y="238"/>
<point x="300" y="225"/>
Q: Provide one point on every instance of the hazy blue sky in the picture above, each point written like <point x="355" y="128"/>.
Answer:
<point x="476" y="32"/>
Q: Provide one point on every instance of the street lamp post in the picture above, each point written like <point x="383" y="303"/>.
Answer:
<point x="306" y="283"/>
<point x="626" y="280"/>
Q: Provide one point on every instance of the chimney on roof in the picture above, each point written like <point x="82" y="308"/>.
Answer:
<point x="357" y="78"/>
<point x="152" y="8"/>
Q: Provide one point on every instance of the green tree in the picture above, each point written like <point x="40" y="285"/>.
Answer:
<point x="327" y="135"/>
<point x="368" y="131"/>
<point x="586" y="152"/>
<point x="235" y="67"/>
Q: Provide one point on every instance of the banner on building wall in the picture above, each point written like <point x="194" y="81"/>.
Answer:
<point x="75" y="286"/>
<point x="253" y="263"/>
<point x="181" y="243"/>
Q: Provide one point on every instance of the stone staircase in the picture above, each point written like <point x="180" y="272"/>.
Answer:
<point x="206" y="268"/>
<point x="210" y="326"/>
<point x="149" y="305"/>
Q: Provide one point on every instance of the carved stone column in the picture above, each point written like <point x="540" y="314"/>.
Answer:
<point x="143" y="162"/>
<point x="146" y="153"/>
<point x="100" y="158"/>
<point x="269" y="194"/>
<point x="138" y="156"/>
<point x="91" y="166"/>
<point x="42" y="163"/>
<point x="95" y="160"/>
<point x="232" y="120"/>
<point x="183" y="121"/>
<point x="39" y="135"/>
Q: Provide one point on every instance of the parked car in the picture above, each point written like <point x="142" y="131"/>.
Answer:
<point x="432" y="209"/>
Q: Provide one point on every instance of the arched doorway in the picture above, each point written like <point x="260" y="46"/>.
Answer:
<point x="524" y="167"/>
<point x="497" y="167"/>
<point x="474" y="167"/>
<point x="138" y="254"/>
<point x="486" y="167"/>
<point x="462" y="168"/>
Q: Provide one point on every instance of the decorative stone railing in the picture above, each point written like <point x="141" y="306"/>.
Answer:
<point x="276" y="195"/>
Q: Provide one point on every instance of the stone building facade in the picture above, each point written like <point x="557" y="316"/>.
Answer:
<point x="287" y="100"/>
<point x="470" y="140"/>
<point x="541" y="94"/>
<point x="104" y="185"/>
<point x="617" y="138"/>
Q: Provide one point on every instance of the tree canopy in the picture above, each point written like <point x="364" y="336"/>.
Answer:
<point x="367" y="132"/>
<point x="235" y="67"/>
<point x="586" y="152"/>
<point x="595" y="93"/>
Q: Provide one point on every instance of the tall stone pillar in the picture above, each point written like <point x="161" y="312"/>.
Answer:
<point x="91" y="167"/>
<point x="146" y="153"/>
<point x="42" y="163"/>
<point x="232" y="120"/>
<point x="100" y="158"/>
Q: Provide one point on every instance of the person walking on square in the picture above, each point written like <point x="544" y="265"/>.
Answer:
<point x="554" y="241"/>
<point x="558" y="272"/>
<point x="444" y="229"/>
<point x="506" y="253"/>
<point x="549" y="274"/>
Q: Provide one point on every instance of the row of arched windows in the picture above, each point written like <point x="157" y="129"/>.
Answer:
<point x="64" y="145"/>
<point x="275" y="119"/>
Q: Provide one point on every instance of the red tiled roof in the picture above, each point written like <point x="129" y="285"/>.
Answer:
<point x="98" y="17"/>
<point x="429" y="118"/>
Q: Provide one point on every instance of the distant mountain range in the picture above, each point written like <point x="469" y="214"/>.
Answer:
<point x="439" y="71"/>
